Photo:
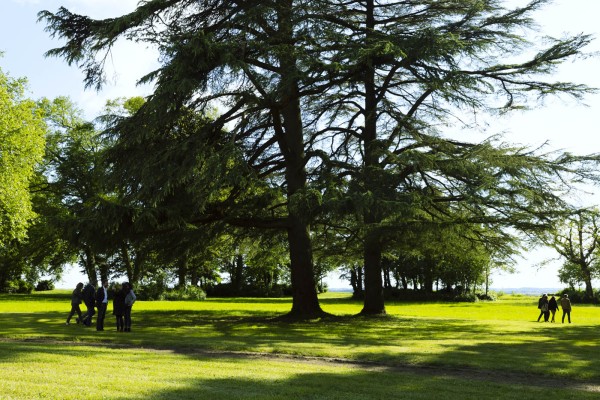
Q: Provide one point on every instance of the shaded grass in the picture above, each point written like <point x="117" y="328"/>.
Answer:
<point x="499" y="337"/>
<point x="74" y="372"/>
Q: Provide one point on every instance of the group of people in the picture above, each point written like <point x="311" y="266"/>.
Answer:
<point x="93" y="298"/>
<point x="549" y="307"/>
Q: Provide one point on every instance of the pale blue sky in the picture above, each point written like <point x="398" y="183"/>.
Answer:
<point x="564" y="124"/>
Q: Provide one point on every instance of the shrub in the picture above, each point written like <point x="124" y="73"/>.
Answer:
<point x="18" y="286"/>
<point x="44" y="286"/>
<point x="466" y="298"/>
<point x="227" y="290"/>
<point x="578" y="296"/>
<point x="490" y="296"/>
<point x="421" y="295"/>
<point x="185" y="293"/>
<point x="153" y="288"/>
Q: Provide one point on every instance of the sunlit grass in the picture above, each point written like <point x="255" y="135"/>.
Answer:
<point x="501" y="336"/>
<point x="32" y="371"/>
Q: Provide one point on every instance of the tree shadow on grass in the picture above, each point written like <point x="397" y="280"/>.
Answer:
<point x="251" y="300"/>
<point x="388" y="341"/>
<point x="362" y="385"/>
<point x="217" y="377"/>
<point x="558" y="357"/>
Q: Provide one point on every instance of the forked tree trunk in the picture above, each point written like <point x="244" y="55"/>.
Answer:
<point x="587" y="279"/>
<point x="89" y="263"/>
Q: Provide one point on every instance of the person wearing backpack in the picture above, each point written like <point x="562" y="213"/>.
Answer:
<point x="129" y="300"/>
<point x="543" y="307"/>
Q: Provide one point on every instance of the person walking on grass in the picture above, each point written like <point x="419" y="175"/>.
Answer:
<point x="552" y="306"/>
<point x="543" y="307"/>
<point x="129" y="300"/>
<point x="565" y="303"/>
<point x="88" y="299"/>
<point x="76" y="297"/>
<point x="101" y="304"/>
<point x="119" y="308"/>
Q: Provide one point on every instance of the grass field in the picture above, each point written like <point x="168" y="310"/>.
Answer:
<point x="238" y="349"/>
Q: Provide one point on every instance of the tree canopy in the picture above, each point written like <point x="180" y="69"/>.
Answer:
<point x="352" y="110"/>
<point x="22" y="131"/>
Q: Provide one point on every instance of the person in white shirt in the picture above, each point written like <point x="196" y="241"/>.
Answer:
<point x="101" y="304"/>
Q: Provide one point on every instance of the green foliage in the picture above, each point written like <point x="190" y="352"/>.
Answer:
<point x="276" y="290"/>
<point x="458" y="296"/>
<point x="305" y="203"/>
<point x="315" y="95"/>
<point x="22" y="132"/>
<point x="578" y="296"/>
<point x="576" y="239"/>
<point x="152" y="287"/>
<point x="133" y="104"/>
<point x="186" y="293"/>
<point x="157" y="289"/>
<point x="490" y="296"/>
<point x="44" y="285"/>
<point x="17" y="286"/>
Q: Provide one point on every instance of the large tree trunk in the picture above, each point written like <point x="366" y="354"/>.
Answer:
<point x="428" y="277"/>
<point x="182" y="270"/>
<point x="587" y="279"/>
<point x="386" y="266"/>
<point x="374" y="301"/>
<point x="291" y="142"/>
<point x="89" y="264"/>
<point x="103" y="268"/>
<point x="134" y="266"/>
<point x="237" y="276"/>
<point x="127" y="261"/>
<point x="356" y="280"/>
<point x="304" y="288"/>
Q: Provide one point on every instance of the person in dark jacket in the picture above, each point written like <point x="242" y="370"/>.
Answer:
<point x="75" y="302"/>
<point x="552" y="307"/>
<point x="129" y="300"/>
<point x="565" y="303"/>
<point x="88" y="300"/>
<point x="119" y="308"/>
<point x="101" y="304"/>
<point x="543" y="306"/>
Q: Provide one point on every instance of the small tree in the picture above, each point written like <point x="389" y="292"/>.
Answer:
<point x="577" y="240"/>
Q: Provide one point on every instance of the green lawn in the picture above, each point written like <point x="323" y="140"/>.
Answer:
<point x="219" y="349"/>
